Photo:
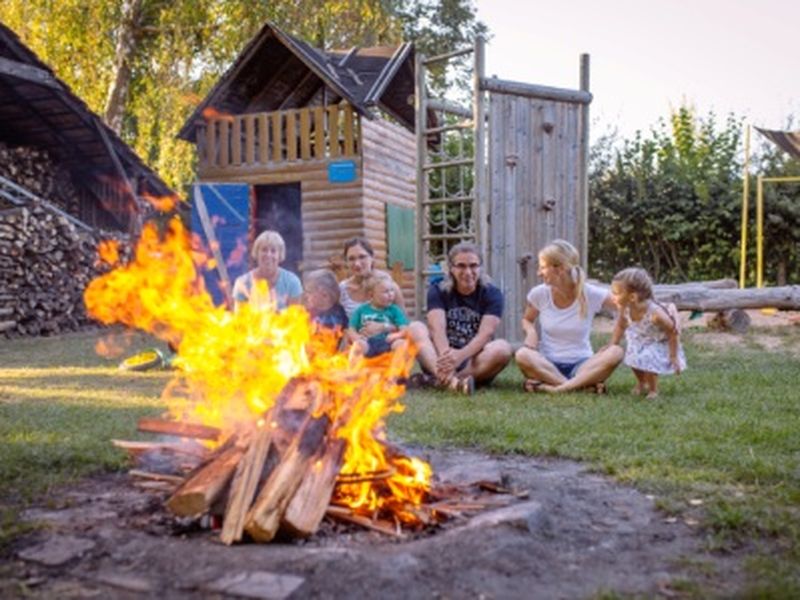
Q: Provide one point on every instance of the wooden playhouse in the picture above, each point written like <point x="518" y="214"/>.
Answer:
<point x="318" y="145"/>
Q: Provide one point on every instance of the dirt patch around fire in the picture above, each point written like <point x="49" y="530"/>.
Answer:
<point x="575" y="534"/>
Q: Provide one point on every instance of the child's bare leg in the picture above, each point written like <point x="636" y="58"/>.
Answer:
<point x="652" y="385"/>
<point x="641" y="382"/>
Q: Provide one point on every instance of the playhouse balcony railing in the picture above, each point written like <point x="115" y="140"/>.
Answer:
<point x="270" y="139"/>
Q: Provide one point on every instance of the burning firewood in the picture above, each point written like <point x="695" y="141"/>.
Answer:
<point x="308" y="506"/>
<point x="249" y="472"/>
<point x="178" y="429"/>
<point x="208" y="482"/>
<point x="264" y="518"/>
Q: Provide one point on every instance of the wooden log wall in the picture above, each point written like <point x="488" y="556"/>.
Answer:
<point x="389" y="177"/>
<point x="45" y="265"/>
<point x="332" y="213"/>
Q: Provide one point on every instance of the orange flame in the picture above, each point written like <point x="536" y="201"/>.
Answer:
<point x="209" y="113"/>
<point x="108" y="250"/>
<point x="162" y="203"/>
<point x="231" y="366"/>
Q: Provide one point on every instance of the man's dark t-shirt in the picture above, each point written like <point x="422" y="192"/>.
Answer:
<point x="463" y="313"/>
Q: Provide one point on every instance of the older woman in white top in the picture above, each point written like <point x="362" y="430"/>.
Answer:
<point x="558" y="356"/>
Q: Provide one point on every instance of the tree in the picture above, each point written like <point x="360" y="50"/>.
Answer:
<point x="145" y="64"/>
<point x="669" y="202"/>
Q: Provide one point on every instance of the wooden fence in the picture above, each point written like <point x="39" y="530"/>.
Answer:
<point x="312" y="133"/>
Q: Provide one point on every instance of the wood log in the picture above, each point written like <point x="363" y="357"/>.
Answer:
<point x="342" y="513"/>
<point x="178" y="428"/>
<point x="705" y="299"/>
<point x="264" y="518"/>
<point x="722" y="294"/>
<point x="307" y="508"/>
<point x="207" y="484"/>
<point x="249" y="472"/>
<point x="139" y="447"/>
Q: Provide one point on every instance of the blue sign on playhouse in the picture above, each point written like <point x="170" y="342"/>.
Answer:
<point x="342" y="171"/>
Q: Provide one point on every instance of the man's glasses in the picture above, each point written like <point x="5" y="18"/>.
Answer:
<point x="465" y="266"/>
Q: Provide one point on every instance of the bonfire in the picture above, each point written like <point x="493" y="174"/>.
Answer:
<point x="294" y="428"/>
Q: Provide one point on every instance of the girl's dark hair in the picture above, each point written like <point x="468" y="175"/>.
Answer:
<point x="358" y="241"/>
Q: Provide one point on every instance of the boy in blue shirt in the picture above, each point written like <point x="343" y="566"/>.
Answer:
<point x="378" y="325"/>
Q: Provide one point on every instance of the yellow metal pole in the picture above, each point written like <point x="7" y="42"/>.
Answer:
<point x="745" y="197"/>
<point x="760" y="233"/>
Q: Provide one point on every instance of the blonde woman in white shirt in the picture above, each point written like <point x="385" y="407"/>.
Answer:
<point x="557" y="356"/>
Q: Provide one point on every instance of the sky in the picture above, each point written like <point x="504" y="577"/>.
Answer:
<point x="649" y="56"/>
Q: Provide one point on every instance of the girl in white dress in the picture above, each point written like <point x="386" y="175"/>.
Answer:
<point x="651" y="331"/>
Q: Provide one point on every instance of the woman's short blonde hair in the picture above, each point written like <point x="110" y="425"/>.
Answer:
<point x="269" y="238"/>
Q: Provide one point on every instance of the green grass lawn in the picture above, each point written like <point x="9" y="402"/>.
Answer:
<point x="721" y="445"/>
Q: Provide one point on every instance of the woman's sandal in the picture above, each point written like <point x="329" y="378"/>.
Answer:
<point x="531" y="386"/>
<point x="596" y="388"/>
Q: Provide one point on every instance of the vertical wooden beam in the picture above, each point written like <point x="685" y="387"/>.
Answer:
<point x="349" y="144"/>
<point x="224" y="143"/>
<point x="202" y="152"/>
<point x="305" y="133"/>
<point x="333" y="131"/>
<point x="319" y="132"/>
<point x="277" y="150"/>
<point x="479" y="128"/>
<point x="250" y="139"/>
<point x="745" y="199"/>
<point x="760" y="231"/>
<point x="211" y="145"/>
<point x="236" y="141"/>
<point x="421" y="109"/>
<point x="263" y="138"/>
<point x="291" y="135"/>
<point x="583" y="184"/>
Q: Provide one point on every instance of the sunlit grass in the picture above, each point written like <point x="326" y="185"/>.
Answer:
<point x="720" y="446"/>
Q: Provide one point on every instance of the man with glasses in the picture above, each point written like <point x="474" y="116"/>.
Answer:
<point x="464" y="312"/>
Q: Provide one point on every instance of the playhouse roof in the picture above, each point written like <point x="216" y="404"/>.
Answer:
<point x="276" y="71"/>
<point x="38" y="109"/>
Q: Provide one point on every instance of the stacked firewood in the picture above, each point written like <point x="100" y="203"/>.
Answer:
<point x="45" y="264"/>
<point x="282" y="475"/>
<point x="35" y="170"/>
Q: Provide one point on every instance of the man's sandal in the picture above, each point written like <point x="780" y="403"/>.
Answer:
<point x="462" y="385"/>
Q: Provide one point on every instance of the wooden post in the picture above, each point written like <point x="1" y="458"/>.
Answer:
<point x="422" y="187"/>
<point x="263" y="138"/>
<point x="479" y="128"/>
<point x="319" y="133"/>
<point x="305" y="134"/>
<point x="250" y="139"/>
<point x="745" y="207"/>
<point x="583" y="193"/>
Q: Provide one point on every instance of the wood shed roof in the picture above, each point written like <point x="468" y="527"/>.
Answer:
<point x="38" y="109"/>
<point x="277" y="71"/>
